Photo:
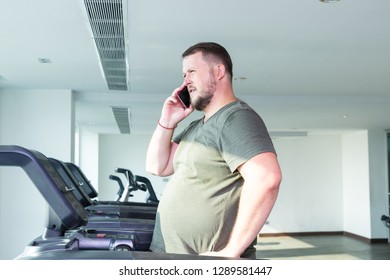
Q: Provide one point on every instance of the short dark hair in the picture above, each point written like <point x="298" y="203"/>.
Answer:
<point x="211" y="50"/>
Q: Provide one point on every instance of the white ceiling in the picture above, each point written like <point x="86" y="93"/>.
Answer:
<point x="309" y="66"/>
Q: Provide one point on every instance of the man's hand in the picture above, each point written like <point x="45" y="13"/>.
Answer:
<point x="173" y="111"/>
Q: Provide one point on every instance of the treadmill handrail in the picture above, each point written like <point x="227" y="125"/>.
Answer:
<point x="120" y="184"/>
<point x="48" y="182"/>
<point x="84" y="182"/>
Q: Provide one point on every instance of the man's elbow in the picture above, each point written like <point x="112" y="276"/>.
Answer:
<point x="157" y="170"/>
<point x="152" y="169"/>
<point x="274" y="179"/>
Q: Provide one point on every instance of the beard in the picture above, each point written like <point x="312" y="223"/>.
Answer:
<point x="205" y="96"/>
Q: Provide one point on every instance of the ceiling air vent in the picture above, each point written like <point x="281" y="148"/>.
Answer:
<point x="106" y="18"/>
<point x="122" y="117"/>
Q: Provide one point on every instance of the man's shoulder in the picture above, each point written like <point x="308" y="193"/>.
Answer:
<point x="235" y="109"/>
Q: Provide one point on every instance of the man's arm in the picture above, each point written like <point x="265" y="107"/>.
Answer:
<point x="262" y="177"/>
<point x="159" y="157"/>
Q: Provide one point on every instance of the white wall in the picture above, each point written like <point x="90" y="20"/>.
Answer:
<point x="87" y="151"/>
<point x="40" y="120"/>
<point x="356" y="181"/>
<point x="377" y="147"/>
<point x="365" y="183"/>
<point x="310" y="197"/>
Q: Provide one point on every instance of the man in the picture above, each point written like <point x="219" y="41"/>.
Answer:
<point x="225" y="173"/>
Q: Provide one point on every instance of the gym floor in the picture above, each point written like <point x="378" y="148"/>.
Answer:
<point x="327" y="247"/>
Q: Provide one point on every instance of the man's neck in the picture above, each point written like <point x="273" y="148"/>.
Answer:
<point x="219" y="100"/>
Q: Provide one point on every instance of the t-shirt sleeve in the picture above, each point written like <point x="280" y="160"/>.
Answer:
<point x="244" y="135"/>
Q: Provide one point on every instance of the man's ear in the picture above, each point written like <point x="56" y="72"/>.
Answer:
<point x="220" y="71"/>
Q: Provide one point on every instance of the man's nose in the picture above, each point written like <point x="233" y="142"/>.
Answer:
<point x="187" y="80"/>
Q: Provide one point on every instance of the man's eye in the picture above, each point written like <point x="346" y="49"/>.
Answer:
<point x="188" y="72"/>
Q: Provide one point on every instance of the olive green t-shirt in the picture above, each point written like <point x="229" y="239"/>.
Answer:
<point x="198" y="207"/>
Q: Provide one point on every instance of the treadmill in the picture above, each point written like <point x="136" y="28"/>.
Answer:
<point x="69" y="225"/>
<point x="95" y="209"/>
<point x="134" y="183"/>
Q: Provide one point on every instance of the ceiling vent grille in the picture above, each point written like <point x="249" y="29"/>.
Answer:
<point x="106" y="18"/>
<point x="122" y="117"/>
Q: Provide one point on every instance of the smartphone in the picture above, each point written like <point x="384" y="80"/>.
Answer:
<point x="184" y="97"/>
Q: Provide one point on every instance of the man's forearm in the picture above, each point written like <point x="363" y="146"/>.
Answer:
<point x="262" y="177"/>
<point x="159" y="152"/>
<point x="256" y="203"/>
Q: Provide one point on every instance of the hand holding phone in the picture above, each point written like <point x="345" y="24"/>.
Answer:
<point x="184" y="97"/>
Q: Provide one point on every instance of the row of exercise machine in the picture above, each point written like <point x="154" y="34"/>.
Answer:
<point x="79" y="226"/>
